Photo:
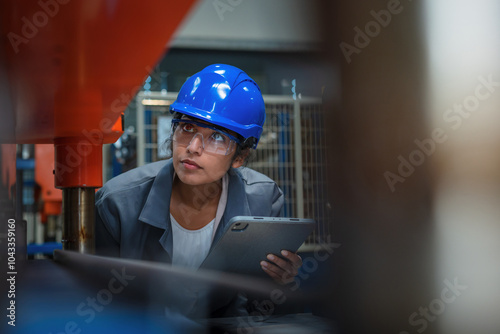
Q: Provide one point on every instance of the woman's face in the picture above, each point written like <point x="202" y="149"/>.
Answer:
<point x="196" y="167"/>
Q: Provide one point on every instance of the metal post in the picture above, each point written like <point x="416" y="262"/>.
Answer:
<point x="297" y="127"/>
<point x="50" y="229"/>
<point x="78" y="224"/>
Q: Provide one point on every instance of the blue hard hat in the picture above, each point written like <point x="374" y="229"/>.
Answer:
<point x="225" y="96"/>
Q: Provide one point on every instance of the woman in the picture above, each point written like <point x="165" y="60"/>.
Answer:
<point x="174" y="210"/>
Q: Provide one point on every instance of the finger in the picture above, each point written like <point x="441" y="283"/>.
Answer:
<point x="271" y="267"/>
<point x="292" y="257"/>
<point x="267" y="267"/>
<point x="283" y="275"/>
<point x="283" y="280"/>
<point x="283" y="264"/>
<point x="280" y="276"/>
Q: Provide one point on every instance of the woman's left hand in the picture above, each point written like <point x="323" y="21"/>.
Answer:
<point x="282" y="269"/>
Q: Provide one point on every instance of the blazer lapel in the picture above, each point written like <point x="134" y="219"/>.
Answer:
<point x="237" y="203"/>
<point x="156" y="210"/>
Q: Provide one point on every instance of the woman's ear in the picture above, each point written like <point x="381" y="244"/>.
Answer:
<point x="240" y="159"/>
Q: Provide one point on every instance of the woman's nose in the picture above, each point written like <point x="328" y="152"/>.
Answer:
<point x="197" y="144"/>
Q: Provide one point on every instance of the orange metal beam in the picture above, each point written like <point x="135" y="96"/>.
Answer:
<point x="73" y="67"/>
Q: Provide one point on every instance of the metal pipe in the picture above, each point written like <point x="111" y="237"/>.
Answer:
<point x="297" y="132"/>
<point x="50" y="229"/>
<point x="78" y="223"/>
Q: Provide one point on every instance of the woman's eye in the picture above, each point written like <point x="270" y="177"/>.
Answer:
<point x="188" y="127"/>
<point x="219" y="137"/>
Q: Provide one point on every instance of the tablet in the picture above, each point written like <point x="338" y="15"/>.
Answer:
<point x="248" y="240"/>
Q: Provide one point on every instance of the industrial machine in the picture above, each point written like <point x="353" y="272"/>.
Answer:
<point x="72" y="67"/>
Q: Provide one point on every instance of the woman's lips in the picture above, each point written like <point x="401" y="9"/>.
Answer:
<point x="189" y="164"/>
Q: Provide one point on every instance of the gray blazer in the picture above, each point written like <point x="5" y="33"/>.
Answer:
<point x="133" y="209"/>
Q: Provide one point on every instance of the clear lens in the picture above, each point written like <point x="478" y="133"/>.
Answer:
<point x="212" y="140"/>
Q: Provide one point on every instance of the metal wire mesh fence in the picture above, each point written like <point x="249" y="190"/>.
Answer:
<point x="292" y="151"/>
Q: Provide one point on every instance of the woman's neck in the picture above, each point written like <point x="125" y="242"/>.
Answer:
<point x="193" y="207"/>
<point x="196" y="197"/>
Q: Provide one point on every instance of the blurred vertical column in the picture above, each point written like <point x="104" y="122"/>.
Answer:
<point x="12" y="226"/>
<point x="375" y="113"/>
<point x="463" y="42"/>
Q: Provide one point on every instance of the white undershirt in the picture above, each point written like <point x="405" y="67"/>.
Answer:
<point x="191" y="247"/>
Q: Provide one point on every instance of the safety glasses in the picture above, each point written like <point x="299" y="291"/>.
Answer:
<point x="214" y="141"/>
